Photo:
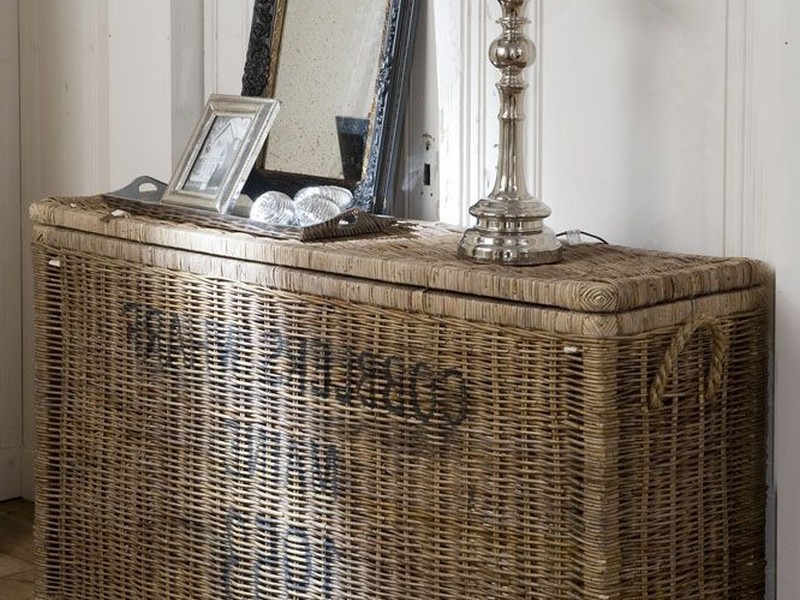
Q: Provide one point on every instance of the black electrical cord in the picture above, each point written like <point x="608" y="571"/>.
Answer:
<point x="590" y="235"/>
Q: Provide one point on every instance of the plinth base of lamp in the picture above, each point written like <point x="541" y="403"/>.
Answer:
<point x="510" y="229"/>
<point x="488" y="245"/>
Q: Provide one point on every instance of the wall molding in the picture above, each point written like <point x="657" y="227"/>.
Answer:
<point x="187" y="70"/>
<point x="210" y="47"/>
<point x="744" y="227"/>
<point x="225" y="39"/>
<point x="738" y="133"/>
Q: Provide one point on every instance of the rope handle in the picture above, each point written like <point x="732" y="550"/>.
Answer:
<point x="715" y="371"/>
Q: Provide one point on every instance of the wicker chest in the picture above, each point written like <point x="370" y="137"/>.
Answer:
<point x="223" y="416"/>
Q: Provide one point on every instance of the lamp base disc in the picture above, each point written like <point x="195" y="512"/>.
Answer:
<point x="541" y="248"/>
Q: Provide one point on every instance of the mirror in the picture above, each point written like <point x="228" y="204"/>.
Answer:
<point x="340" y="68"/>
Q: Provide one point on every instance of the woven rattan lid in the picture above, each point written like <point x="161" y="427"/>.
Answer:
<point x="591" y="278"/>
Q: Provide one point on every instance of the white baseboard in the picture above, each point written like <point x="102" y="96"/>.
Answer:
<point x="10" y="473"/>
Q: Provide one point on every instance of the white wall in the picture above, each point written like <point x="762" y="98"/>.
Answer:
<point x="10" y="298"/>
<point x="139" y="90"/>
<point x="634" y="109"/>
<point x="664" y="123"/>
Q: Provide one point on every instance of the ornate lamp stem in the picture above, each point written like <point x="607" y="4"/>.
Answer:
<point x="510" y="228"/>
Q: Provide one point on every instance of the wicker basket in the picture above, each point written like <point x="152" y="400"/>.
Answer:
<point x="222" y="416"/>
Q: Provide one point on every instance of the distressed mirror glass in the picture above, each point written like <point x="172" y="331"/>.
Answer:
<point x="340" y="69"/>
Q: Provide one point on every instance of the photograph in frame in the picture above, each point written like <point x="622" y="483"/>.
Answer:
<point x="221" y="152"/>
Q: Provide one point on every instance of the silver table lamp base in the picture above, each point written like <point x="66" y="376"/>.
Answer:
<point x="510" y="228"/>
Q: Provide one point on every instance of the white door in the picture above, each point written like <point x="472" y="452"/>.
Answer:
<point x="10" y="286"/>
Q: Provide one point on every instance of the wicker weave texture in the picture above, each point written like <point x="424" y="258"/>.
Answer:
<point x="594" y="280"/>
<point x="204" y="438"/>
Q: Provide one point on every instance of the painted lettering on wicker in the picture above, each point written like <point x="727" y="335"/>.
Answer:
<point x="157" y="337"/>
<point x="170" y="343"/>
<point x="292" y="556"/>
<point x="256" y="450"/>
<point x="165" y="341"/>
<point x="412" y="390"/>
<point x="286" y="551"/>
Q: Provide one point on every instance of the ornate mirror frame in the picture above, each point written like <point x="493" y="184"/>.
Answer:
<point x="374" y="192"/>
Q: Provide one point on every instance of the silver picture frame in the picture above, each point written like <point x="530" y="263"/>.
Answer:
<point x="221" y="152"/>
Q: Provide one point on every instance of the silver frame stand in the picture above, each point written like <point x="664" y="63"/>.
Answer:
<point x="510" y="228"/>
